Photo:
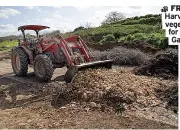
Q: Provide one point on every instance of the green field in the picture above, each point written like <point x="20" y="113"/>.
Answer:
<point x="7" y="45"/>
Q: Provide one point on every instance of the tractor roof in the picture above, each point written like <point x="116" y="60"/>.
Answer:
<point x="32" y="27"/>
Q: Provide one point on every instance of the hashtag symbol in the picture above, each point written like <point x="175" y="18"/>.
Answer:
<point x="164" y="9"/>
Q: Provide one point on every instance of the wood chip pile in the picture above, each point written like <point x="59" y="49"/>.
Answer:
<point x="115" y="87"/>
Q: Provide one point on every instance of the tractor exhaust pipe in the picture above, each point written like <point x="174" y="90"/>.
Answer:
<point x="71" y="72"/>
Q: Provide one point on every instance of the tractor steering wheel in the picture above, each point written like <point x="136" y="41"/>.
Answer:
<point x="36" y="41"/>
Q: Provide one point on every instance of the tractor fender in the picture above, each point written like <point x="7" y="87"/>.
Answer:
<point x="30" y="54"/>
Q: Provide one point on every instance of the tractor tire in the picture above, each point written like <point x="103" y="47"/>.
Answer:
<point x="43" y="68"/>
<point x="19" y="61"/>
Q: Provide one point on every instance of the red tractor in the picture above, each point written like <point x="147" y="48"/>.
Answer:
<point x="46" y="54"/>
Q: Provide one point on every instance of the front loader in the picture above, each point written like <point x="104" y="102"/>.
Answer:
<point x="78" y="56"/>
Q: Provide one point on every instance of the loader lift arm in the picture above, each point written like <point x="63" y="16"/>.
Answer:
<point x="76" y="42"/>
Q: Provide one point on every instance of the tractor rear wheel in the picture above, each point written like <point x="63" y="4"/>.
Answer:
<point x="43" y="68"/>
<point x="19" y="61"/>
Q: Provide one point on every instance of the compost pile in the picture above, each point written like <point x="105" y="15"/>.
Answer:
<point x="164" y="64"/>
<point x="122" y="56"/>
<point x="116" y="88"/>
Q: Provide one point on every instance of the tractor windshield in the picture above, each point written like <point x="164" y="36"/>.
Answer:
<point x="30" y="35"/>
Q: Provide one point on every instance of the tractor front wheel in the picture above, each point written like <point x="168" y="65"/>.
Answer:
<point x="43" y="68"/>
<point x="19" y="61"/>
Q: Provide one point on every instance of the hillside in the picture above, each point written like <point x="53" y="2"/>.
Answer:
<point x="144" y="30"/>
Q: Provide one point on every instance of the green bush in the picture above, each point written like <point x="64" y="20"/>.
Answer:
<point x="163" y="43"/>
<point x="158" y="40"/>
<point x="129" y="38"/>
<point x="117" y="35"/>
<point x="139" y="36"/>
<point x="122" y="39"/>
<point x="109" y="37"/>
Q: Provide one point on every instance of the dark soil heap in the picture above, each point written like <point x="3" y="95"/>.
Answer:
<point x="164" y="64"/>
<point x="169" y="94"/>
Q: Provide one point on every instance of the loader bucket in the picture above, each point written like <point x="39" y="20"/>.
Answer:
<point x="71" y="72"/>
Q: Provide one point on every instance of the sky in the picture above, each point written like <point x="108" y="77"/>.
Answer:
<point x="63" y="18"/>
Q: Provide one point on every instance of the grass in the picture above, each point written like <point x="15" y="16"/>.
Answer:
<point x="7" y="45"/>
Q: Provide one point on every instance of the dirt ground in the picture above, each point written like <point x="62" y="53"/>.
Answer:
<point x="33" y="108"/>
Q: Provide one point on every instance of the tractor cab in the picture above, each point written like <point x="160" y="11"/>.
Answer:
<point x="36" y="28"/>
<point x="30" y="38"/>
